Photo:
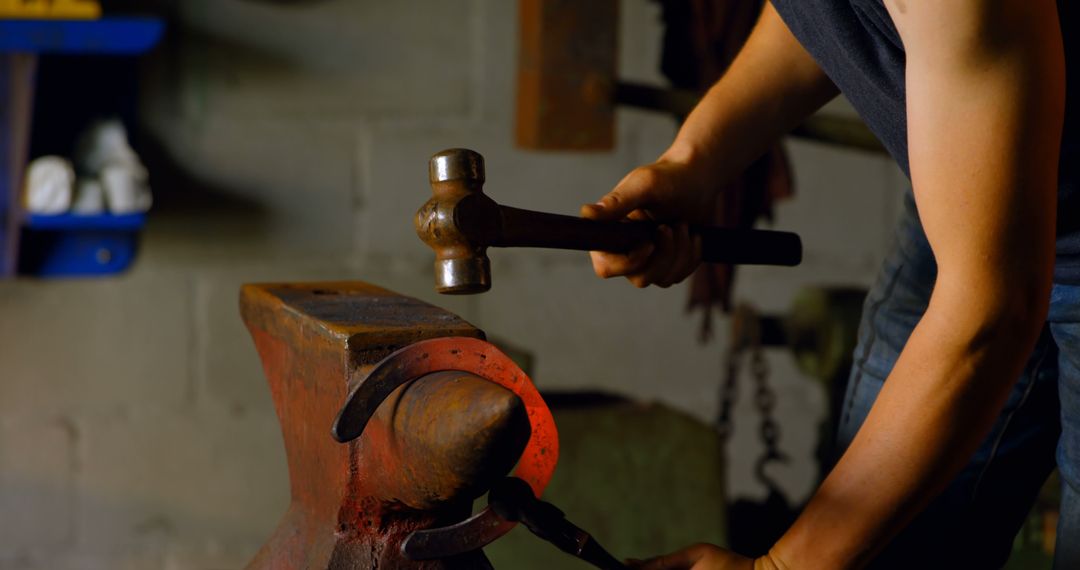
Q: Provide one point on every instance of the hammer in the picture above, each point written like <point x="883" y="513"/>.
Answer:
<point x="460" y="222"/>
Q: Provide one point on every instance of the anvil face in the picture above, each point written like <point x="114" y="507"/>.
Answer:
<point x="433" y="446"/>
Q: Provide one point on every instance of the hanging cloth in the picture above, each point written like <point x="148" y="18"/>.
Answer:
<point x="701" y="39"/>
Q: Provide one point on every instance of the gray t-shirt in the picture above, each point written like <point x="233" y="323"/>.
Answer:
<point x="857" y="45"/>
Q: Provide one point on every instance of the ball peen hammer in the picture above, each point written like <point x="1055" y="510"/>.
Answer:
<point x="460" y="222"/>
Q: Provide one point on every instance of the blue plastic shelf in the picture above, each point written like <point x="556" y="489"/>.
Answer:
<point x="75" y="222"/>
<point x="70" y="245"/>
<point x="107" y="36"/>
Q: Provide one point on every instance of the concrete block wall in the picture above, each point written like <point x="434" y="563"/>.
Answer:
<point x="135" y="427"/>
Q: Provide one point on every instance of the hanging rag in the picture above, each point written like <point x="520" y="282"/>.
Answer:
<point x="701" y="38"/>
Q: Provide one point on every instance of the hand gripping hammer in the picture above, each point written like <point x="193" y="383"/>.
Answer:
<point x="460" y="222"/>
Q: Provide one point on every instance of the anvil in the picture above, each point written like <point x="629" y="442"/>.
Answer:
<point x="441" y="438"/>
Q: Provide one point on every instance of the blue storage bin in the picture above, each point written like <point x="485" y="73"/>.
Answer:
<point x="70" y="246"/>
<point x="65" y="245"/>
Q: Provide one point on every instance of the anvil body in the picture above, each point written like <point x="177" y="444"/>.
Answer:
<point x="432" y="447"/>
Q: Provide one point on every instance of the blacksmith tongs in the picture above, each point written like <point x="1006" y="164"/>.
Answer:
<point x="513" y="500"/>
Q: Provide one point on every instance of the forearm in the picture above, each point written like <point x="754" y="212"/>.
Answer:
<point x="770" y="87"/>
<point x="985" y="102"/>
<point x="937" y="405"/>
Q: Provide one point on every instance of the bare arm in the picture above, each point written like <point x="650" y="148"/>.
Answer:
<point x="985" y="88"/>
<point x="771" y="87"/>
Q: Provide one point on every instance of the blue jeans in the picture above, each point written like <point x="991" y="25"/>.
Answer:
<point x="973" y="522"/>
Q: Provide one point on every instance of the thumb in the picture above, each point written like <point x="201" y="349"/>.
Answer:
<point x="628" y="195"/>
<point x="613" y="206"/>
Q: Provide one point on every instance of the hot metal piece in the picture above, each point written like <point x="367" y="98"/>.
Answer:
<point x="477" y="357"/>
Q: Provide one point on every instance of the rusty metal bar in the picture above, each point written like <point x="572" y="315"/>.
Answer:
<point x="826" y="129"/>
<point x="678" y="102"/>
<point x="839" y="131"/>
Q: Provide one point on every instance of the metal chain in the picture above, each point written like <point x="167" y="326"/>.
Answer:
<point x="746" y="334"/>
<point x="765" y="400"/>
<point x="729" y="390"/>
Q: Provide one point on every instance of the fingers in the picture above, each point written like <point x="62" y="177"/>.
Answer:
<point x="674" y="254"/>
<point x="661" y="262"/>
<point x="677" y="255"/>
<point x="630" y="194"/>
<point x="607" y="265"/>
<point x="684" y="559"/>
<point x="593" y="211"/>
<point x="687" y="257"/>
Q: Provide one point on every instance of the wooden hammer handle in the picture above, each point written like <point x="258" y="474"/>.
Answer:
<point x="525" y="228"/>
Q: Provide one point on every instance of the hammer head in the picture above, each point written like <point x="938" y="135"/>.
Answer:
<point x="458" y="221"/>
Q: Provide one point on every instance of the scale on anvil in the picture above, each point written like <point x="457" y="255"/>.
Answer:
<point x="397" y="415"/>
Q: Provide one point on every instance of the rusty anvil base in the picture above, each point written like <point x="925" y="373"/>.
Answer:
<point x="431" y="448"/>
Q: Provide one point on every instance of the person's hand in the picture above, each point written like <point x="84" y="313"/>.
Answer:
<point x="669" y="191"/>
<point x="705" y="557"/>
<point x="697" y="557"/>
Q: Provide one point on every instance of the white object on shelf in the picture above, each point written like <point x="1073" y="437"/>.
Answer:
<point x="125" y="189"/>
<point x="48" y="189"/>
<point x="103" y="153"/>
<point x="89" y="198"/>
